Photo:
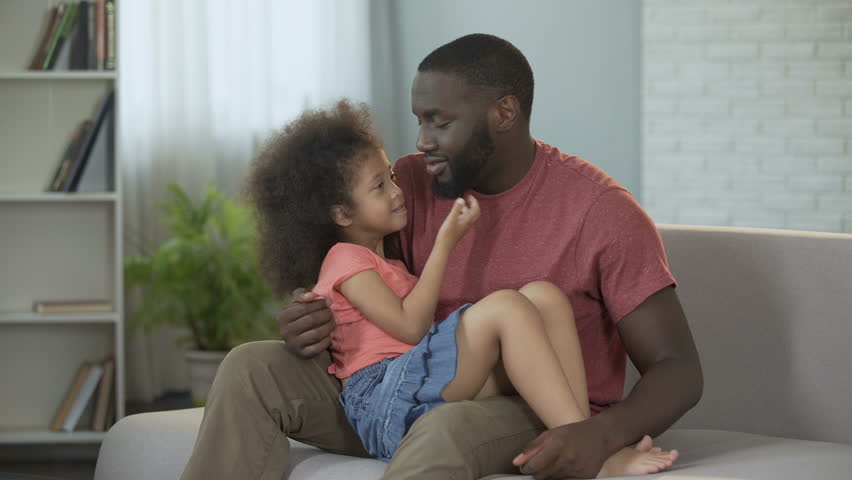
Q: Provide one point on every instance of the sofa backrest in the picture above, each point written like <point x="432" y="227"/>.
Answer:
<point x="771" y="313"/>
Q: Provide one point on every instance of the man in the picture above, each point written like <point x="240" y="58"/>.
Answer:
<point x="545" y="216"/>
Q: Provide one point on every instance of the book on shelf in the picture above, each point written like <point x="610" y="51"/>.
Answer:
<point x="88" y="142"/>
<point x="66" y="163"/>
<point x="100" y="421"/>
<point x="51" y="26"/>
<point x="99" y="175"/>
<point x="100" y="37"/>
<point x="72" y="306"/>
<point x="68" y="401"/>
<point x="109" y="35"/>
<point x="74" y="404"/>
<point x="80" y="39"/>
<point x="77" y="36"/>
<point x="59" y="40"/>
<point x="87" y="162"/>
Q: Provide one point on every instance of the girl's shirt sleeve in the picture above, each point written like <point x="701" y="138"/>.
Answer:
<point x="342" y="262"/>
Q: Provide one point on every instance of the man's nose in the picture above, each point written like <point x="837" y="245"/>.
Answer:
<point x="425" y="142"/>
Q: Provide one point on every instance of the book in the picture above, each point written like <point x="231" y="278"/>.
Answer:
<point x="66" y="163"/>
<point x="99" y="175"/>
<point x="104" y="398"/>
<point x="88" y="143"/>
<point x="110" y="415"/>
<point x="65" y="26"/>
<point x="80" y="39"/>
<point x="100" y="38"/>
<point x="109" y="35"/>
<point x="72" y="306"/>
<point x="68" y="401"/>
<point x="91" y="61"/>
<point x="52" y="20"/>
<point x="93" y="377"/>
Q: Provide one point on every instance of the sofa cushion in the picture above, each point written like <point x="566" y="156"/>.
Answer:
<point x="157" y="445"/>
<point x="771" y="313"/>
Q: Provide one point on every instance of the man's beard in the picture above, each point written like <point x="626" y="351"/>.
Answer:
<point x="465" y="167"/>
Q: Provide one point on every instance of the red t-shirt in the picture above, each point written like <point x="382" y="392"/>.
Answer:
<point x="566" y="222"/>
<point x="357" y="342"/>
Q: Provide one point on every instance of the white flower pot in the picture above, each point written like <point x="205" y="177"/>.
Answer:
<point x="202" y="369"/>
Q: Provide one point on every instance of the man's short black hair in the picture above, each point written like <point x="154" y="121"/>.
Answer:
<point x="485" y="60"/>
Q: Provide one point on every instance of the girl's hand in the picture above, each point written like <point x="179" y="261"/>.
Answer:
<point x="458" y="221"/>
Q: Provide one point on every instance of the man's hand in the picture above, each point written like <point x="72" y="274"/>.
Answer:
<point x="576" y="450"/>
<point x="306" y="324"/>
<point x="658" y="341"/>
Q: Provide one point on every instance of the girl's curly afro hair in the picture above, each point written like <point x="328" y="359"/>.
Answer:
<point x="299" y="174"/>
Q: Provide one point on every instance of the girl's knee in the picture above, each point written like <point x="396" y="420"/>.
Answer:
<point x="542" y="291"/>
<point x="501" y="305"/>
<point x="542" y="287"/>
<point x="510" y="301"/>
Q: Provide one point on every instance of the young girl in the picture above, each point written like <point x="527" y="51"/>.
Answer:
<point x="327" y="204"/>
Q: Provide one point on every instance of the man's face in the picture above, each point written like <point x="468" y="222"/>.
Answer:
<point x="453" y="131"/>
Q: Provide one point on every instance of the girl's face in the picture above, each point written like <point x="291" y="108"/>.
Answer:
<point x="379" y="202"/>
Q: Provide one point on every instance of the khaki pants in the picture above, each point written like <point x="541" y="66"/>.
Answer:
<point x="263" y="394"/>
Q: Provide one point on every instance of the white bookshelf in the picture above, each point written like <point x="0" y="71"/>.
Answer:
<point x="35" y="318"/>
<point x="67" y="75"/>
<point x="24" y="437"/>
<point x="52" y="245"/>
<point x="57" y="197"/>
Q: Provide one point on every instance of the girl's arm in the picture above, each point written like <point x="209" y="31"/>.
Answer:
<point x="410" y="318"/>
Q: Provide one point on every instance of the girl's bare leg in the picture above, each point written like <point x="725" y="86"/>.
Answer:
<point x="507" y="326"/>
<point x="559" y="322"/>
<point x="561" y="329"/>
<point x="529" y="338"/>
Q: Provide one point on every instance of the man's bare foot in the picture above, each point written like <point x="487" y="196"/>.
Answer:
<point x="642" y="459"/>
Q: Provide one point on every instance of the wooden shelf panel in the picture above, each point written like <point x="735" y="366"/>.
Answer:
<point x="54" y="318"/>
<point x="46" y="436"/>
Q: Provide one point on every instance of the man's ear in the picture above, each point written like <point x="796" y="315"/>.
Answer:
<point x="340" y="215"/>
<point x="505" y="113"/>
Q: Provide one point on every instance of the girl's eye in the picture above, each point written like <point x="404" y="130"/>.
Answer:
<point x="442" y="126"/>
<point x="381" y="185"/>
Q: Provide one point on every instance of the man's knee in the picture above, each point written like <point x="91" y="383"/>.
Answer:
<point x="242" y="360"/>
<point x="245" y="357"/>
<point x="467" y="439"/>
<point x="443" y="422"/>
<point x="467" y="424"/>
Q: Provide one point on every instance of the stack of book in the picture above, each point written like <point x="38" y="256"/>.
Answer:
<point x="82" y="153"/>
<point x="93" y="384"/>
<point x="83" y="32"/>
<point x="72" y="306"/>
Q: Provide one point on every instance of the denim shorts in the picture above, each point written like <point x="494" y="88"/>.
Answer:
<point x="383" y="400"/>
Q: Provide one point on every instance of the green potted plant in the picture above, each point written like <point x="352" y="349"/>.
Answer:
<point x="207" y="278"/>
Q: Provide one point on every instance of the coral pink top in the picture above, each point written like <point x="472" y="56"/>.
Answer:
<point x="356" y="342"/>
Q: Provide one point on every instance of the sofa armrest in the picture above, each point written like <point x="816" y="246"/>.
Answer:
<point x="149" y="445"/>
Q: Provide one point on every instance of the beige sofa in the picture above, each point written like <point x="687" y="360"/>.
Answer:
<point x="771" y="312"/>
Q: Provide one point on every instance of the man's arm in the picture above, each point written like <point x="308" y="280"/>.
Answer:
<point x="659" y="342"/>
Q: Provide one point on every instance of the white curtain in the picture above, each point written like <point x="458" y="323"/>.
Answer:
<point x="201" y="84"/>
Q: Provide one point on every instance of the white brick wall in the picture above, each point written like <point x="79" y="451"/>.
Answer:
<point x="747" y="113"/>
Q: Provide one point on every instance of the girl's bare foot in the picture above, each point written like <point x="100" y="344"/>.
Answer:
<point x="643" y="459"/>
